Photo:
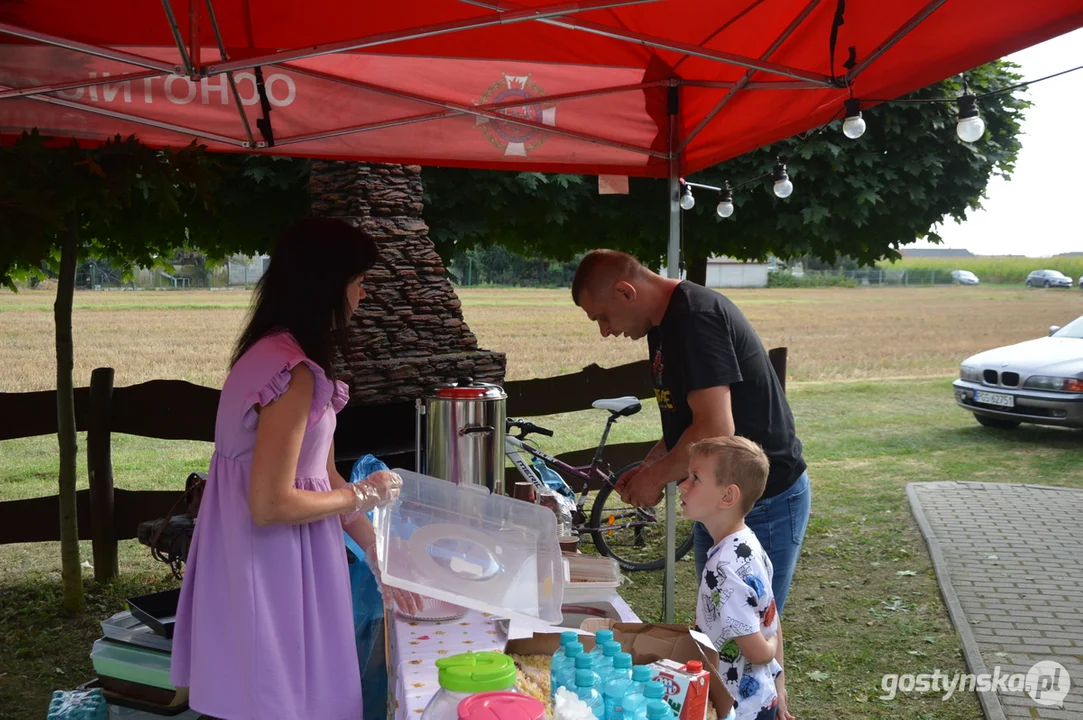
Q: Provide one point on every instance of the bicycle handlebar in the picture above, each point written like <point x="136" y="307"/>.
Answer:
<point x="528" y="427"/>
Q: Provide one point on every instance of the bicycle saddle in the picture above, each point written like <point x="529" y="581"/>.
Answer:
<point x="625" y="406"/>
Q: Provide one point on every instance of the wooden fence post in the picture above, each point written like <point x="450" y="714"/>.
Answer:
<point x="103" y="530"/>
<point x="777" y="356"/>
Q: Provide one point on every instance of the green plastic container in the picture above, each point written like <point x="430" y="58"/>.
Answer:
<point x="134" y="664"/>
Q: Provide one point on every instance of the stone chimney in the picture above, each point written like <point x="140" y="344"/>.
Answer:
<point x="408" y="334"/>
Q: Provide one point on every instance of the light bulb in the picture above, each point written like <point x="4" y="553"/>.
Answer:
<point x="687" y="201"/>
<point x="784" y="188"/>
<point x="970" y="129"/>
<point x="853" y="127"/>
<point x="725" y="209"/>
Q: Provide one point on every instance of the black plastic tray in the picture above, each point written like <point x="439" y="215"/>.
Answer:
<point x="126" y="701"/>
<point x="158" y="611"/>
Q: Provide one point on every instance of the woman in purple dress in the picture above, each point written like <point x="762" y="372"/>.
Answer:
<point x="265" y="624"/>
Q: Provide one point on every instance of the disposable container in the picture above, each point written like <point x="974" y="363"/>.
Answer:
<point x="466" y="674"/>
<point x="463" y="545"/>
<point x="501" y="706"/>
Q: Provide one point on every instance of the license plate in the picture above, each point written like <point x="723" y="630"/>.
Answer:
<point x="988" y="398"/>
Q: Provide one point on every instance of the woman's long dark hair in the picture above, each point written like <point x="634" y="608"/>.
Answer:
<point x="303" y="291"/>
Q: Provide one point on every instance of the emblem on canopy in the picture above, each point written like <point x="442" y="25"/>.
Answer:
<point x="515" y="139"/>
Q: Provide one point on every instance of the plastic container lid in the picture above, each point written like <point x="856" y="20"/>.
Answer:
<point x="476" y="672"/>
<point x="585" y="678"/>
<point x="653" y="690"/>
<point x="460" y="544"/>
<point x="125" y="628"/>
<point x="657" y="709"/>
<point x="641" y="674"/>
<point x="501" y="706"/>
<point x="622" y="660"/>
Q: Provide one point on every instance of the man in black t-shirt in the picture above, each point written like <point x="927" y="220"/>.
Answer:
<point x="711" y="377"/>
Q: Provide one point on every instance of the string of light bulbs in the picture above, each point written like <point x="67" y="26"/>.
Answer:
<point x="970" y="128"/>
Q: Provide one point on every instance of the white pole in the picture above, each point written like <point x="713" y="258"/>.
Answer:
<point x="673" y="257"/>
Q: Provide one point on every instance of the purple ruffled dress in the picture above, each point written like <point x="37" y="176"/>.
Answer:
<point x="265" y="624"/>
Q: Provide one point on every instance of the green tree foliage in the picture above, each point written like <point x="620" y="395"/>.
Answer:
<point x="130" y="204"/>
<point x="863" y="199"/>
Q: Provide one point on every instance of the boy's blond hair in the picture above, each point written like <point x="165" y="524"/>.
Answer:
<point x="737" y="461"/>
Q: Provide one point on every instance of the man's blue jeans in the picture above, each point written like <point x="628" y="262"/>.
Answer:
<point x="779" y="523"/>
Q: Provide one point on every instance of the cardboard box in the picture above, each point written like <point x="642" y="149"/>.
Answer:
<point x="647" y="643"/>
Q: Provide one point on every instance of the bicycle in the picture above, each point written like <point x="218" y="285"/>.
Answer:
<point x="634" y="537"/>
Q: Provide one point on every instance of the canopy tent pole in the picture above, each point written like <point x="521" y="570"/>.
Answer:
<point x="673" y="270"/>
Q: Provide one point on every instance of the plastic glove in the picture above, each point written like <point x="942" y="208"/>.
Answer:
<point x="410" y="603"/>
<point x="379" y="488"/>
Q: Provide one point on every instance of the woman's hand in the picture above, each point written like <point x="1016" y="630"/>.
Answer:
<point x="379" y="488"/>
<point x="410" y="603"/>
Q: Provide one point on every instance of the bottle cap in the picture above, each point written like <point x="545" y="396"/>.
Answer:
<point x="653" y="690"/>
<point x="585" y="678"/>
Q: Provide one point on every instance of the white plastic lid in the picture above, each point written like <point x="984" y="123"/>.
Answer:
<point x="460" y="544"/>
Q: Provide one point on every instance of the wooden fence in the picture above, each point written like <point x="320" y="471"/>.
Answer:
<point x="178" y="410"/>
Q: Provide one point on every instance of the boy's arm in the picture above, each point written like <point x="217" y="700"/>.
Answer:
<point x="758" y="649"/>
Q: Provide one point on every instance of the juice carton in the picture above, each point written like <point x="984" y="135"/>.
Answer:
<point x="686" y="684"/>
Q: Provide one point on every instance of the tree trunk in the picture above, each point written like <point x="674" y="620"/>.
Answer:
<point x="71" y="569"/>
<point x="696" y="269"/>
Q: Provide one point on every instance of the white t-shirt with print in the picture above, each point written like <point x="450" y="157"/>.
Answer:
<point x="735" y="599"/>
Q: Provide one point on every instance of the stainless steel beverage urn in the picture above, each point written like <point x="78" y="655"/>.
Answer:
<point x="460" y="434"/>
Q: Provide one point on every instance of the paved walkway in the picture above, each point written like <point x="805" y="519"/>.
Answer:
<point x="1009" y="560"/>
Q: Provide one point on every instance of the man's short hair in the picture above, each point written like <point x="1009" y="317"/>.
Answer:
<point x="737" y="461"/>
<point x="600" y="268"/>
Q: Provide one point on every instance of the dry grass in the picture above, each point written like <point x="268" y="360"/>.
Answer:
<point x="835" y="333"/>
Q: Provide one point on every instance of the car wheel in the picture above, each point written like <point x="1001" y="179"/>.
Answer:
<point x="1027" y="283"/>
<point x="1046" y="284"/>
<point x="996" y="423"/>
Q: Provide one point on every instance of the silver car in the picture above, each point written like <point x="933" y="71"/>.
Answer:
<point x="1048" y="278"/>
<point x="1038" y="381"/>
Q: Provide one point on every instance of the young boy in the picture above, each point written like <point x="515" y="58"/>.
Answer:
<point x="736" y="608"/>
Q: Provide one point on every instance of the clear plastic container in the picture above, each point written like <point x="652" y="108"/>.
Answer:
<point x="460" y="544"/>
<point x="465" y="675"/>
<point x="124" y="627"/>
<point x="134" y="664"/>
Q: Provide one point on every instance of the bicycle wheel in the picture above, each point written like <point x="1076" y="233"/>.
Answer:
<point x="634" y="537"/>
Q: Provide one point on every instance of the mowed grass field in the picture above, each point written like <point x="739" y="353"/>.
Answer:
<point x="869" y="374"/>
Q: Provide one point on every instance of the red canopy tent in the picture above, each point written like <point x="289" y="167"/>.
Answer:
<point x="530" y="84"/>
<point x="656" y="88"/>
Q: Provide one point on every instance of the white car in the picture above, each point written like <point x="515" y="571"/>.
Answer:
<point x="1037" y="381"/>
<point x="964" y="277"/>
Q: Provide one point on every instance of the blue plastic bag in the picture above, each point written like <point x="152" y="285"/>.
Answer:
<point x="368" y="612"/>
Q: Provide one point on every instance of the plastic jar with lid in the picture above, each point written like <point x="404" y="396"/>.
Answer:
<point x="461" y="676"/>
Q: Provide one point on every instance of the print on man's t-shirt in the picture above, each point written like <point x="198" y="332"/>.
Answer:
<point x="662" y="394"/>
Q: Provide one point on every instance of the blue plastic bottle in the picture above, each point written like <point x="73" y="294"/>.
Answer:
<point x="604" y="664"/>
<point x="566" y="638"/>
<point x="584" y="662"/>
<point x="600" y="639"/>
<point x="618" y="686"/>
<point x="658" y="710"/>
<point x="641" y="675"/>
<point x="585" y="680"/>
<point x="634" y="707"/>
<point x="564" y="675"/>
